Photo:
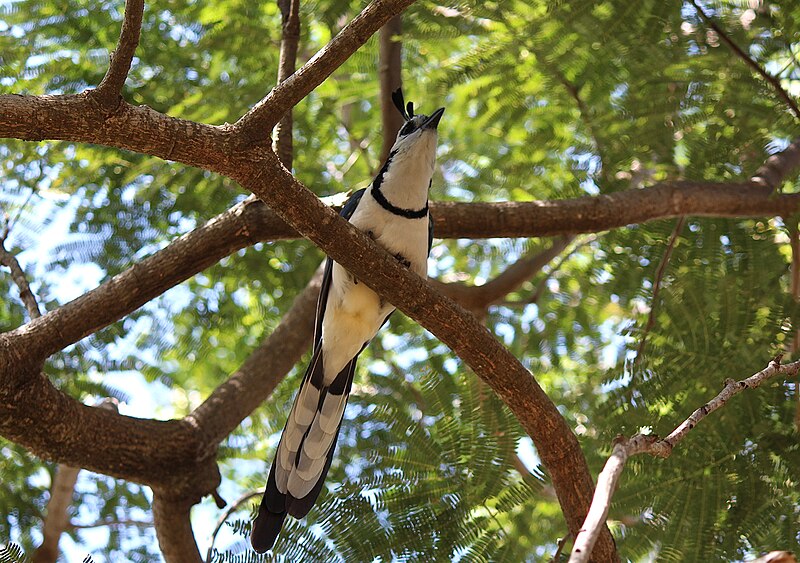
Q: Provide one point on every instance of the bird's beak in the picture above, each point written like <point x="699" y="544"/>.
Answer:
<point x="433" y="121"/>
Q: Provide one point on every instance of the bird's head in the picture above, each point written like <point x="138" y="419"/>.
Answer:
<point x="419" y="131"/>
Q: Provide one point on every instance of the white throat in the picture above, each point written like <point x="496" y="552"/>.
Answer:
<point x="407" y="179"/>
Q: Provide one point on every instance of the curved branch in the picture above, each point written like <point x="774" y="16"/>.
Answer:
<point x="53" y="426"/>
<point x="478" y="298"/>
<point x="108" y="91"/>
<point x="227" y="514"/>
<point x="256" y="123"/>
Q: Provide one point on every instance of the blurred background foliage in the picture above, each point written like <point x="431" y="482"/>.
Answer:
<point x="546" y="100"/>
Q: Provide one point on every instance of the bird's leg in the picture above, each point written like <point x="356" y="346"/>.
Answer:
<point x="403" y="260"/>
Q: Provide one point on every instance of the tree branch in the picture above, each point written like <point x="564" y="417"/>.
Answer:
<point x="390" y="76"/>
<point x="54" y="426"/>
<point x="290" y="17"/>
<point x="56" y="522"/>
<point x="662" y="267"/>
<point x="778" y="166"/>
<point x="227" y="514"/>
<point x="57" y="519"/>
<point x="653" y="445"/>
<point x="477" y="299"/>
<point x="108" y="91"/>
<point x="370" y="263"/>
<point x="10" y="261"/>
<point x="257" y="122"/>
<point x="771" y="80"/>
<point x="171" y="515"/>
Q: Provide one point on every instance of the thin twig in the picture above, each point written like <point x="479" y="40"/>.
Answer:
<point x="109" y="90"/>
<point x="560" y="547"/>
<point x="112" y="523"/>
<point x="225" y="515"/>
<point x="773" y="81"/>
<point x="653" y="445"/>
<point x="662" y="268"/>
<point x="10" y="261"/>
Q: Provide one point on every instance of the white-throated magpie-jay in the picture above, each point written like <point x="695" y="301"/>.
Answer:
<point x="394" y="212"/>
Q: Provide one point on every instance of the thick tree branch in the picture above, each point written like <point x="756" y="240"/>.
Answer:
<point x="771" y="80"/>
<point x="108" y="91"/>
<point x="171" y="515"/>
<point x="390" y="76"/>
<point x="251" y="221"/>
<point x="257" y="122"/>
<point x="67" y="431"/>
<point x="290" y="18"/>
<point x="557" y="446"/>
<point x="653" y="445"/>
<point x="75" y="117"/>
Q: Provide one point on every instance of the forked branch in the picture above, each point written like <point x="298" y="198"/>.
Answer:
<point x="109" y="90"/>
<point x="257" y="122"/>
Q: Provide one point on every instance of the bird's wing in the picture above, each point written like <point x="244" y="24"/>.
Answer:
<point x="347" y="212"/>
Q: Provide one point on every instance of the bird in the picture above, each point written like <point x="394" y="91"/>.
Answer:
<point x="393" y="211"/>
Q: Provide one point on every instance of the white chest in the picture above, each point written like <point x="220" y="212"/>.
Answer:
<point x="407" y="238"/>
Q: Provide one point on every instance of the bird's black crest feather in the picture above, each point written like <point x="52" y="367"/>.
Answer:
<point x="400" y="104"/>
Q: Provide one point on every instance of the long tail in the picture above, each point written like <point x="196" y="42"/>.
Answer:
<point x="305" y="451"/>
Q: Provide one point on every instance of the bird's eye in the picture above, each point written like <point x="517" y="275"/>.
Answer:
<point x="407" y="128"/>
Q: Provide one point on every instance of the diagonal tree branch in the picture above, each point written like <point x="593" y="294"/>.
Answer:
<point x="653" y="445"/>
<point x="557" y="446"/>
<point x="771" y="80"/>
<point x="662" y="268"/>
<point x="262" y="371"/>
<point x="477" y="299"/>
<point x="10" y="261"/>
<point x="255" y="124"/>
<point x="108" y="91"/>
